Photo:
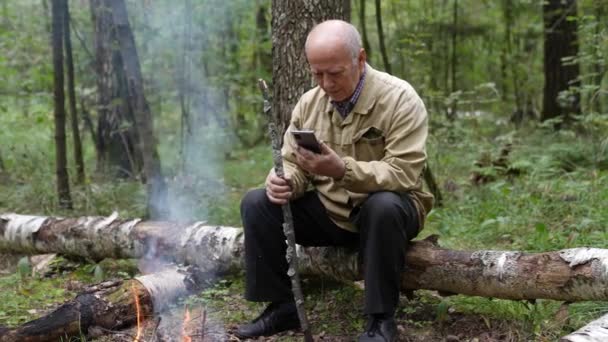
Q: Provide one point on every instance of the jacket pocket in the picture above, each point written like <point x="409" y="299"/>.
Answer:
<point x="369" y="144"/>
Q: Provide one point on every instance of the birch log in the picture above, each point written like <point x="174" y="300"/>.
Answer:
<point x="571" y="275"/>
<point x="110" y="306"/>
<point x="596" y="331"/>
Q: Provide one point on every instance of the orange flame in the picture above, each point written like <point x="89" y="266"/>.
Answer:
<point x="138" y="310"/>
<point x="185" y="337"/>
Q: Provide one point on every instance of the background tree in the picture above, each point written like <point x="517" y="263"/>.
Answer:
<point x="363" y="29"/>
<point x="561" y="96"/>
<point x="117" y="137"/>
<point x="3" y="173"/>
<point x="69" y="62"/>
<point x="383" y="52"/>
<point x="155" y="184"/>
<point x="62" y="178"/>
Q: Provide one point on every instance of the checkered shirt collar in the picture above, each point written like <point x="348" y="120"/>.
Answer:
<point x="346" y="106"/>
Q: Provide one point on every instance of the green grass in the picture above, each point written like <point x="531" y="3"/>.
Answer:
<point x="23" y="299"/>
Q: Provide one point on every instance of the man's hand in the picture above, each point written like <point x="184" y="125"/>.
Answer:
<point x="278" y="189"/>
<point x="327" y="163"/>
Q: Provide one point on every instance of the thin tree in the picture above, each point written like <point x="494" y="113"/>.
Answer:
<point x="560" y="97"/>
<point x="2" y="167"/>
<point x="598" y="68"/>
<point x="69" y="61"/>
<point x="155" y="183"/>
<point x="184" y="87"/>
<point x="454" y="59"/>
<point x="385" y="60"/>
<point x="364" y="36"/>
<point x="63" y="184"/>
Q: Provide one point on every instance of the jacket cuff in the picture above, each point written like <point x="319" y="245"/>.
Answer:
<point x="349" y="173"/>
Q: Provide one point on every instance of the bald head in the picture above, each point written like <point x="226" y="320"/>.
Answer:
<point x="335" y="35"/>
<point x="336" y="59"/>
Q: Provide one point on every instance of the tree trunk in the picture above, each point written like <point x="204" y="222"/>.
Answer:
<point x="116" y="129"/>
<point x="79" y="161"/>
<point x="561" y="41"/>
<point x="155" y="183"/>
<point x="572" y="274"/>
<point x="385" y="60"/>
<point x="291" y="22"/>
<point x="595" y="331"/>
<point x="111" y="306"/>
<point x="347" y="10"/>
<point x="61" y="171"/>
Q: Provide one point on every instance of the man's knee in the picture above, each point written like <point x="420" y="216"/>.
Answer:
<point x="253" y="198"/>
<point x="390" y="208"/>
<point x="383" y="204"/>
<point x="253" y="205"/>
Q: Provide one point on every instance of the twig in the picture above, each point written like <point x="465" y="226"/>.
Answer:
<point x="203" y="325"/>
<point x="292" y="260"/>
<point x="155" y="329"/>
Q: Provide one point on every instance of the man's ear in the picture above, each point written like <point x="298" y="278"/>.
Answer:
<point x="362" y="57"/>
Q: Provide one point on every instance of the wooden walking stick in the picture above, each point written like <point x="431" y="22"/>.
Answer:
<point x="288" y="229"/>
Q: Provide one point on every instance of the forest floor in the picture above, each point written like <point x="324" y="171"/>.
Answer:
<point x="550" y="193"/>
<point x="333" y="309"/>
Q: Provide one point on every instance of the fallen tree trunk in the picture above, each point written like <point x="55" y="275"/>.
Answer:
<point x="110" y="306"/>
<point x="572" y="274"/>
<point x="596" y="331"/>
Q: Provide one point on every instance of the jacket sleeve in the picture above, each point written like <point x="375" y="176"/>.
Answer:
<point x="404" y="157"/>
<point x="299" y="178"/>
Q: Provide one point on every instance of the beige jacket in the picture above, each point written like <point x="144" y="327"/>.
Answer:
<point x="382" y="142"/>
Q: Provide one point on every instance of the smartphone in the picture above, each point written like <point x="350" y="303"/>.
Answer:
<point x="307" y="139"/>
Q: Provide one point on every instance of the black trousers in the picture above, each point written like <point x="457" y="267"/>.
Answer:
<point x="386" y="221"/>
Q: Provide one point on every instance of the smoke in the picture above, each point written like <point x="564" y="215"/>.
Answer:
<point x="182" y="65"/>
<point x="183" y="69"/>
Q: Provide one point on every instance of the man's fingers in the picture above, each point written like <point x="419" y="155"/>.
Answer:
<point x="324" y="148"/>
<point x="278" y="198"/>
<point x="274" y="188"/>
<point x="278" y="189"/>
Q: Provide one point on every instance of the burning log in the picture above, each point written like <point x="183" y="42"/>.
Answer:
<point x="571" y="275"/>
<point x="595" y="331"/>
<point x="110" y="306"/>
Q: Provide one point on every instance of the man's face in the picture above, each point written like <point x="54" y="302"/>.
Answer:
<point x="336" y="71"/>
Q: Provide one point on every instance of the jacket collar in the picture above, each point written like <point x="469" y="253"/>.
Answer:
<point x="368" y="97"/>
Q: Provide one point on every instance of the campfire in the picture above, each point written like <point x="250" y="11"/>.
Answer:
<point x="137" y="313"/>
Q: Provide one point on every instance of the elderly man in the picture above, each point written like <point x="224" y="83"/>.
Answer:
<point x="363" y="189"/>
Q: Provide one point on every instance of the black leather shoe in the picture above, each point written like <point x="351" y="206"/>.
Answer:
<point x="379" y="329"/>
<point x="277" y="317"/>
